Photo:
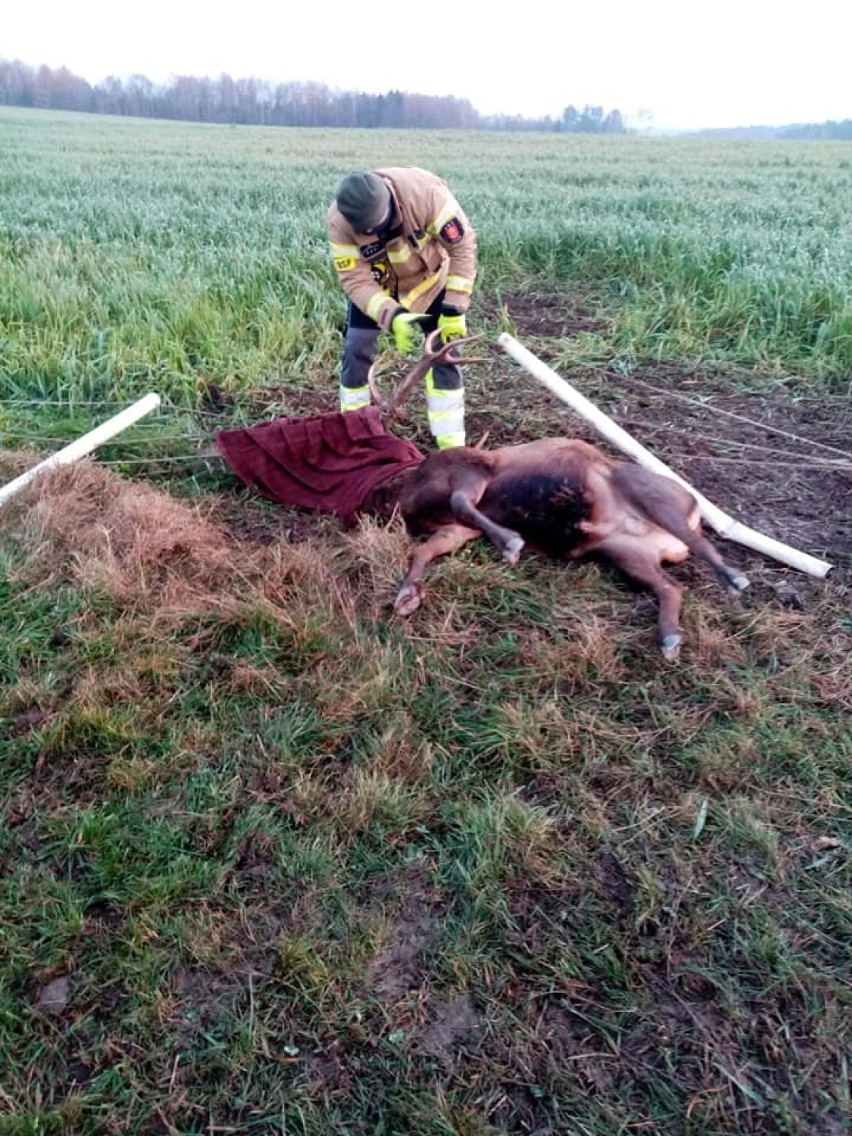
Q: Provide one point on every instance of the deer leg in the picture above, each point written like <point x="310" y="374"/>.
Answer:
<point x="730" y="580"/>
<point x="670" y="506"/>
<point x="645" y="569"/>
<point x="507" y="541"/>
<point x="446" y="540"/>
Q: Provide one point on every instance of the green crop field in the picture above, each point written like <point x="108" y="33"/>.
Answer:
<point x="138" y="251"/>
<point x="274" y="860"/>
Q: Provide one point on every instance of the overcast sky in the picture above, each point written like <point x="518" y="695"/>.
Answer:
<point x="690" y="64"/>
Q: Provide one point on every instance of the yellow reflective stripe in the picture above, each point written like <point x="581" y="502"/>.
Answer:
<point x="399" y="256"/>
<point x="445" y="423"/>
<point x="353" y="398"/>
<point x="449" y="441"/>
<point x="457" y="413"/>
<point x="445" y="411"/>
<point x="449" y="211"/>
<point x="344" y="257"/>
<point x="444" y="399"/>
<point x="422" y="287"/>
<point x="459" y="284"/>
<point x="375" y="304"/>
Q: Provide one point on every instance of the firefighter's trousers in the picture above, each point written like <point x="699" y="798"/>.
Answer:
<point x="444" y="384"/>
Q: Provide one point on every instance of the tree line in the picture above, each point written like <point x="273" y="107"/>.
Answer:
<point x="832" y="131"/>
<point x="259" y="103"/>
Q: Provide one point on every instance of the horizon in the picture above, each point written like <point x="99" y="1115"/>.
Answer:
<point x="662" y="68"/>
<point x="642" y="123"/>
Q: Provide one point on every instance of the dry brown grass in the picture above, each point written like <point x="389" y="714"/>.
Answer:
<point x="83" y="523"/>
<point x="158" y="557"/>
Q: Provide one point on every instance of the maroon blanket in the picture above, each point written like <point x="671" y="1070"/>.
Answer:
<point x="328" y="462"/>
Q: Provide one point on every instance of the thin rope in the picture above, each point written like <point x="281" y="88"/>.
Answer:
<point x="72" y="404"/>
<point x="152" y="461"/>
<point x="69" y="402"/>
<point x="828" y="465"/>
<point x="152" y="441"/>
<point x="655" y="428"/>
<point x="725" y="413"/>
<point x="824" y="464"/>
<point x="806" y="462"/>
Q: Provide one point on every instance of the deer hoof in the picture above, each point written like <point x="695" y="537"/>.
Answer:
<point x="734" y="582"/>
<point x="671" y="647"/>
<point x="407" y="599"/>
<point x="512" y="550"/>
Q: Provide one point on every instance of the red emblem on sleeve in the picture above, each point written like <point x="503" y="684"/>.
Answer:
<point x="452" y="232"/>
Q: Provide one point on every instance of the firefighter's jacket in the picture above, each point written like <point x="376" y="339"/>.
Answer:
<point x="431" y="247"/>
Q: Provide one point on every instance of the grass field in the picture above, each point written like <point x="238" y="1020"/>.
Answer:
<point x="138" y="250"/>
<point x="275" y="861"/>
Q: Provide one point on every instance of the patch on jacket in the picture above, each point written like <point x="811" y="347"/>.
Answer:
<point x="452" y="232"/>
<point x="344" y="263"/>
<point x="369" y="251"/>
<point x="380" y="272"/>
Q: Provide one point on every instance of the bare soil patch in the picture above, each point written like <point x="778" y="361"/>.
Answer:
<point x="545" y="315"/>
<point x="396" y="969"/>
<point x="451" y="1026"/>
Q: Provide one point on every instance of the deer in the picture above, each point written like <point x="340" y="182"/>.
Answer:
<point x="561" y="496"/>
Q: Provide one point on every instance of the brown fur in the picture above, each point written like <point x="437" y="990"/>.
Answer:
<point x="567" y="498"/>
<point x="558" y="494"/>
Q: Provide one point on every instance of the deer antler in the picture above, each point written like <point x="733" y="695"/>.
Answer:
<point x="375" y="392"/>
<point x="432" y="356"/>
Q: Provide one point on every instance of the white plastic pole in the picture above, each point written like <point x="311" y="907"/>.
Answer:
<point x="85" y="444"/>
<point x="723" y="524"/>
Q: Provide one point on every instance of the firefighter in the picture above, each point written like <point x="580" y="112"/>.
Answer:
<point x="405" y="255"/>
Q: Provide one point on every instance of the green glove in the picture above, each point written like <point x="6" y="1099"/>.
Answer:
<point x="404" y="328"/>
<point x="452" y="325"/>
